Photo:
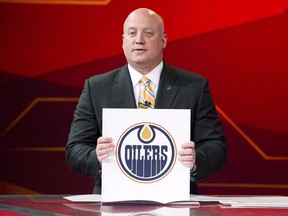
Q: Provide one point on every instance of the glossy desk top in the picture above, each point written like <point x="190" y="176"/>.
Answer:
<point x="56" y="205"/>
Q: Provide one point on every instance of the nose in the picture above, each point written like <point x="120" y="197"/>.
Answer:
<point x="140" y="38"/>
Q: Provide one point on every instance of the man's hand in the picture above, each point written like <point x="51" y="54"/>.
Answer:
<point x="103" y="148"/>
<point x="187" y="154"/>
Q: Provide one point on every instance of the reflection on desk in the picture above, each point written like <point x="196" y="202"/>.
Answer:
<point x="56" y="204"/>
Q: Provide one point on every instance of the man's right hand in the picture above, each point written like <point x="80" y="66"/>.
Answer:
<point x="103" y="148"/>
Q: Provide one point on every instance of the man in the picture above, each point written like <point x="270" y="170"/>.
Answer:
<point x="172" y="88"/>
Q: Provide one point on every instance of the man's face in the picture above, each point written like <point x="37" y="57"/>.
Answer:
<point x="143" y="40"/>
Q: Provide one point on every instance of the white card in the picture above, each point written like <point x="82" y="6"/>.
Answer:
<point x="144" y="165"/>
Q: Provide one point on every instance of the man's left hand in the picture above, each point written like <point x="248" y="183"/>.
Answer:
<point x="187" y="154"/>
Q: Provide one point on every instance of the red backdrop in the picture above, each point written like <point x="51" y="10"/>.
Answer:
<point x="48" y="48"/>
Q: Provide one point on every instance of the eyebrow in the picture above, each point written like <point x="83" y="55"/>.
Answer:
<point x="134" y="28"/>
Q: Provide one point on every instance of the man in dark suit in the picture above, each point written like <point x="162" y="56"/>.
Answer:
<point x="143" y="43"/>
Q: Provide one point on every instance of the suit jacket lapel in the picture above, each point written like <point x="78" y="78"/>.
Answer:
<point x="123" y="89"/>
<point x="167" y="89"/>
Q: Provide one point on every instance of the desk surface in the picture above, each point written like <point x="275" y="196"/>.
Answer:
<point x="56" y="205"/>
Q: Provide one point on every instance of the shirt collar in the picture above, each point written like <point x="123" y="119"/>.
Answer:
<point x="153" y="75"/>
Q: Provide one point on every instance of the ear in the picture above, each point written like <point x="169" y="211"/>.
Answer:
<point x="164" y="40"/>
<point x="122" y="41"/>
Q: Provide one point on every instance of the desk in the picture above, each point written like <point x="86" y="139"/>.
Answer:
<point x="46" y="205"/>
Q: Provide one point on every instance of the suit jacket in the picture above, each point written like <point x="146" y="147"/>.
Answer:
<point x="178" y="89"/>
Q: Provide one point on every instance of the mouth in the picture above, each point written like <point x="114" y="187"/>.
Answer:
<point x="139" y="50"/>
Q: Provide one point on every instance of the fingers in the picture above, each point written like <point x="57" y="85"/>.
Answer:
<point x="187" y="154"/>
<point x="187" y="148"/>
<point x="103" y="148"/>
<point x="187" y="145"/>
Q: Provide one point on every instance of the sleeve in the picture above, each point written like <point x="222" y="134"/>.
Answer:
<point x="211" y="145"/>
<point x="82" y="139"/>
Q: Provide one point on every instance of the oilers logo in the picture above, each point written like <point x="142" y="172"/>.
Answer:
<point x="146" y="152"/>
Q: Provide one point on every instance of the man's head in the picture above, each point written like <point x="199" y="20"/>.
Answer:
<point x="144" y="39"/>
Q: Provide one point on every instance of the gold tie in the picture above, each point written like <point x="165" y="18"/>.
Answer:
<point x="147" y="99"/>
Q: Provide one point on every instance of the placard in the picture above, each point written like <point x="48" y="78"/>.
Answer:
<point x="145" y="165"/>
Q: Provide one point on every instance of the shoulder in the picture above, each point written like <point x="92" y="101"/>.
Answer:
<point x="106" y="78"/>
<point x="110" y="75"/>
<point x="182" y="74"/>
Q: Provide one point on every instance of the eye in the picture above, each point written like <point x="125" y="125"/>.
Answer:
<point x="132" y="33"/>
<point x="149" y="33"/>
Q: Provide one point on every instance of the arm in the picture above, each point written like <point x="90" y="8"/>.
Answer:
<point x="211" y="146"/>
<point x="84" y="132"/>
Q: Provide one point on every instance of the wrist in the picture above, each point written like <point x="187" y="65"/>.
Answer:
<point x="193" y="170"/>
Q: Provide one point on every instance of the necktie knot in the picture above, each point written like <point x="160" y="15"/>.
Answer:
<point x="145" y="81"/>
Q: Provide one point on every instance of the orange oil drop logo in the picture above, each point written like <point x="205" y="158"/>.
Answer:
<point x="146" y="133"/>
